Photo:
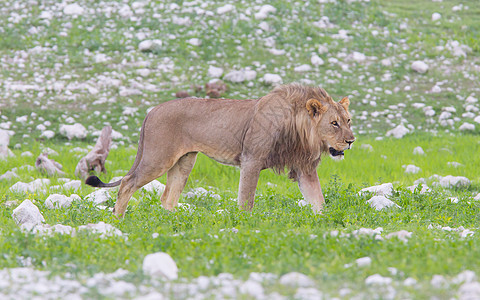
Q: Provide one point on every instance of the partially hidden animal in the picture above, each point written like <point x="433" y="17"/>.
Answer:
<point x="288" y="129"/>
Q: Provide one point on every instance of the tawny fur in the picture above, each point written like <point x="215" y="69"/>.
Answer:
<point x="289" y="128"/>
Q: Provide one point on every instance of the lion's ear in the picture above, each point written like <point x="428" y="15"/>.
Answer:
<point x="345" y="103"/>
<point x="315" y="108"/>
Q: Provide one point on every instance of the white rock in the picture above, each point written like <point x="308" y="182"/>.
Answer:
<point x="438" y="281"/>
<point x="194" y="41"/>
<point x="477" y="119"/>
<point x="58" y="201"/>
<point x="215" y="72"/>
<point x="76" y="130"/>
<point x="73" y="9"/>
<point x="410" y="281"/>
<point x="378" y="279"/>
<point x="364" y="261"/>
<point x="8" y="175"/>
<point x="419" y="67"/>
<point x="358" y="57"/>
<point x="273" y="79"/>
<point x="264" y="11"/>
<point x="303" y="68"/>
<point x="302" y="203"/>
<point x="27" y="214"/>
<point x="101" y="228"/>
<point x="411" y="169"/>
<point x="469" y="291"/>
<point x="454" y="164"/>
<point x="418" y="151"/>
<point x="306" y="294"/>
<point x="34" y="186"/>
<point x="454" y="181"/>
<point x="402" y="235"/>
<point x="48" y="134"/>
<point x="384" y="189"/>
<point x="398" y="132"/>
<point x="154" y="187"/>
<point x="367" y="147"/>
<point x="381" y="202"/>
<point x="150" y="45"/>
<point x="436" y="16"/>
<point x="316" y="60"/>
<point x="99" y="196"/>
<point x="235" y="76"/>
<point x="465" y="276"/>
<point x="295" y="279"/>
<point x="160" y="265"/>
<point x="252" y="288"/>
<point x="425" y="188"/>
<point x="466" y="126"/>
<point x="250" y="75"/>
<point x="225" y="9"/>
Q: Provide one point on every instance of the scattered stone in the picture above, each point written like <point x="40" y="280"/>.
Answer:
<point x="411" y="169"/>
<point x="102" y="228"/>
<point x="419" y="67"/>
<point x="99" y="196"/>
<point x="272" y="79"/>
<point x="454" y="181"/>
<point x="150" y="45"/>
<point x="160" y="265"/>
<point x="295" y="279"/>
<point x="384" y="189"/>
<point x="378" y="279"/>
<point x="302" y="203"/>
<point x="466" y="127"/>
<point x="436" y="17"/>
<point x="31" y="187"/>
<point x="201" y="192"/>
<point x="418" y="151"/>
<point x="8" y="175"/>
<point x="235" y="76"/>
<point x="367" y="147"/>
<point x="153" y="187"/>
<point x="73" y="9"/>
<point x="398" y="132"/>
<point x="364" y="261"/>
<point x="316" y="60"/>
<point x="215" y="72"/>
<point x="402" y="235"/>
<point x="60" y="201"/>
<point x="225" y="9"/>
<point x="303" y="68"/>
<point x="253" y="289"/>
<point x="306" y="294"/>
<point x="76" y="130"/>
<point x="27" y="214"/>
<point x="264" y="11"/>
<point x="381" y="202"/>
<point x="48" y="166"/>
<point x="95" y="159"/>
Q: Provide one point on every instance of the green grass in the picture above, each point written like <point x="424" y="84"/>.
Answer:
<point x="278" y="236"/>
<point x="277" y="227"/>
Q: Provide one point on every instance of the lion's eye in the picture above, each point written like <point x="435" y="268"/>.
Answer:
<point x="334" y="123"/>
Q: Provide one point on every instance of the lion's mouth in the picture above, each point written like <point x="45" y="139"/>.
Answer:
<point x="334" y="152"/>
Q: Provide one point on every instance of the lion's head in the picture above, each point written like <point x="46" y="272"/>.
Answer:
<point x="332" y="121"/>
<point x="312" y="124"/>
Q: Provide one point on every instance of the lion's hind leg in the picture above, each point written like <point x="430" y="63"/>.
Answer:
<point x="177" y="178"/>
<point x="144" y="173"/>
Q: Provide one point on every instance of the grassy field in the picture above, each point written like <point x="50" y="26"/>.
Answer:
<point x="61" y="68"/>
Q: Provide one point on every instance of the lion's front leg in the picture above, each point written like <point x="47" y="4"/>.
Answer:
<point x="249" y="174"/>
<point x="311" y="190"/>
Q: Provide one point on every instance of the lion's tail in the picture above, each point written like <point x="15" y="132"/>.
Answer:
<point x="96" y="182"/>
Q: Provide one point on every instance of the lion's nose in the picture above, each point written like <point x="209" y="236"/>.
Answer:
<point x="349" y="142"/>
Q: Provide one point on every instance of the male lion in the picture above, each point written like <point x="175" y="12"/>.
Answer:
<point x="288" y="128"/>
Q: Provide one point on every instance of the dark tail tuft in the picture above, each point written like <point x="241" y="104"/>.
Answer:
<point x="96" y="182"/>
<point x="93" y="181"/>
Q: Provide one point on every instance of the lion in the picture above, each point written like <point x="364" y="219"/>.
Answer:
<point x="289" y="128"/>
